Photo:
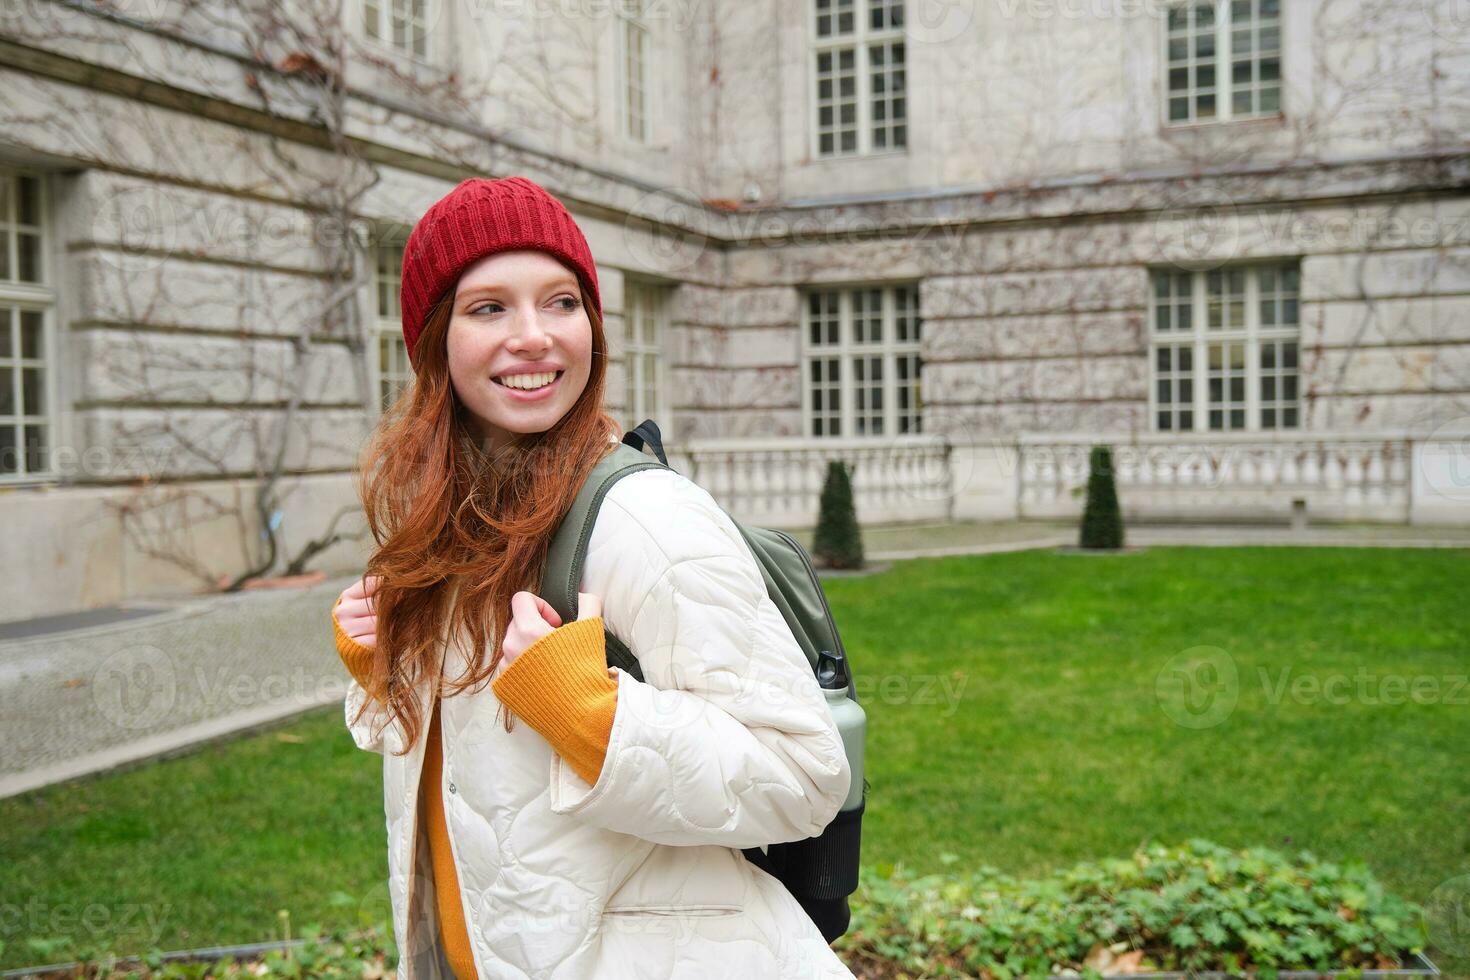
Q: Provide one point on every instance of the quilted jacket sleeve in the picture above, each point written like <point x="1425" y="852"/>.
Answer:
<point x="368" y="731"/>
<point x="729" y="739"/>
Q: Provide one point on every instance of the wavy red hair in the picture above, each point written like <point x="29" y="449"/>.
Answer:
<point x="442" y="509"/>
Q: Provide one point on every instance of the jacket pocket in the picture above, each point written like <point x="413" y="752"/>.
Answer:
<point x="673" y="910"/>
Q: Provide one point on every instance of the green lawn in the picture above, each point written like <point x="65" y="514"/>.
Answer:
<point x="1015" y="719"/>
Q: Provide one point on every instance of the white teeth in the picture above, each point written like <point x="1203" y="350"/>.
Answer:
<point x="527" y="381"/>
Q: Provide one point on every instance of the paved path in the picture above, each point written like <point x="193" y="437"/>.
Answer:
<point x="90" y="699"/>
<point x="86" y="698"/>
<point x="889" y="543"/>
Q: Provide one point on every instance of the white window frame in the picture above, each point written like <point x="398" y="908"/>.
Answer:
<point x="645" y="302"/>
<point x="386" y="256"/>
<point x="634" y="119"/>
<point x="377" y="25"/>
<point x="36" y="297"/>
<point x="1224" y="87"/>
<point x="1200" y="336"/>
<point x="860" y="40"/>
<point x="847" y="350"/>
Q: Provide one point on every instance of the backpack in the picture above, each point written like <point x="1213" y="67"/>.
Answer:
<point x="820" y="872"/>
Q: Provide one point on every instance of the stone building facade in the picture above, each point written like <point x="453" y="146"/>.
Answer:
<point x="956" y="244"/>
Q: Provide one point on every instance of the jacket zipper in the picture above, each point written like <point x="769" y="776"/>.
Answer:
<point x="408" y="907"/>
<point x="413" y="866"/>
<point x="413" y="848"/>
<point x="464" y="909"/>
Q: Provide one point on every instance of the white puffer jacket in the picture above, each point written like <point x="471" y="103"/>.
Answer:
<point x="728" y="743"/>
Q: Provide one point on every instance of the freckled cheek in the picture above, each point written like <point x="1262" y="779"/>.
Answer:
<point x="469" y="352"/>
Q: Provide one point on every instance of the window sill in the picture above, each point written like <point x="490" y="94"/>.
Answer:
<point x="873" y="155"/>
<point x="401" y="60"/>
<point x="40" y="481"/>
<point x="630" y="144"/>
<point x="1216" y="433"/>
<point x="1273" y="121"/>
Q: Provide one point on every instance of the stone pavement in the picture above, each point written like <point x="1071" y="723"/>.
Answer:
<point x="166" y="675"/>
<point x="94" y="698"/>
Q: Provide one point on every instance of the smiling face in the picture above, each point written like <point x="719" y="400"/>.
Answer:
<point x="516" y="312"/>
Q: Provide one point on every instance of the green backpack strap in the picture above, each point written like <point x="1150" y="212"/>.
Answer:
<point x="565" y="558"/>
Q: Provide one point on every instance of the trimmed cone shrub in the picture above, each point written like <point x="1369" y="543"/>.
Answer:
<point x="1102" y="519"/>
<point x="838" y="542"/>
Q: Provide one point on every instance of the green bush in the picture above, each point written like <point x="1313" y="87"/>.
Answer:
<point x="838" y="541"/>
<point x="1195" y="907"/>
<point x="366" y="954"/>
<point x="1102" y="519"/>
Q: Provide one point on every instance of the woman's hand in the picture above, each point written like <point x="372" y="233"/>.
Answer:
<point x="356" y="612"/>
<point x="532" y="618"/>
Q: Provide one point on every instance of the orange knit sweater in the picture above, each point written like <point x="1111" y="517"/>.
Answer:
<point x="562" y="688"/>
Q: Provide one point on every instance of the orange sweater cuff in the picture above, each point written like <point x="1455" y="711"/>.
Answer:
<point x="357" y="658"/>
<point x="562" y="687"/>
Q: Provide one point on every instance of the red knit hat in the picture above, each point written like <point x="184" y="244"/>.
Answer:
<point x="475" y="219"/>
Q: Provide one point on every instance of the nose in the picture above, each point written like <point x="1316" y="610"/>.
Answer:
<point x="530" y="334"/>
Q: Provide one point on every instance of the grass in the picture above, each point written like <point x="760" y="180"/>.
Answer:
<point x="1016" y="719"/>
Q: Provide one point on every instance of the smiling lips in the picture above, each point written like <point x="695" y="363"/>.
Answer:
<point x="527" y="382"/>
<point x="524" y="386"/>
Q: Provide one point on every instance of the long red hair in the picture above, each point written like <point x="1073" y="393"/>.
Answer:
<point x="444" y="509"/>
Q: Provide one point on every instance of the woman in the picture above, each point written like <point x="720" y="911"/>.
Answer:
<point x="601" y="838"/>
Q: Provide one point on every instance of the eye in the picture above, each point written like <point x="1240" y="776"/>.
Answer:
<point x="574" y="301"/>
<point x="479" y="308"/>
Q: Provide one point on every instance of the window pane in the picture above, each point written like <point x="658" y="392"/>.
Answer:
<point x="35" y="436"/>
<point x="32" y="392"/>
<point x="32" y="338"/>
<point x="886" y="65"/>
<point x="1227" y="384"/>
<point x="28" y="201"/>
<point x="836" y="119"/>
<point x="28" y="254"/>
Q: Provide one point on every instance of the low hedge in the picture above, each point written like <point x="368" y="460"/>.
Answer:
<point x="1195" y="907"/>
